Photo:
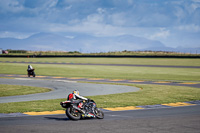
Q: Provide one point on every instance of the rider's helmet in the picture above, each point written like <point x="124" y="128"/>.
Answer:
<point x="30" y="67"/>
<point x="76" y="92"/>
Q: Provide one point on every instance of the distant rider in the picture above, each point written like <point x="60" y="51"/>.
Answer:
<point x="30" y="71"/>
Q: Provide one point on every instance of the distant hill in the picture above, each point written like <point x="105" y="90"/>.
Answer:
<point x="87" y="43"/>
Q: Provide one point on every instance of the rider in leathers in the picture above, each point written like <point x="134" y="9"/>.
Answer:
<point x="75" y="96"/>
<point x="30" y="68"/>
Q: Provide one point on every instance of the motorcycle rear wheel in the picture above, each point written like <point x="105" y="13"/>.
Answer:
<point x="73" y="114"/>
<point x="98" y="113"/>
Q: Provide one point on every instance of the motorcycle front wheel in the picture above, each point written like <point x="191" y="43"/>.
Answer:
<point x="98" y="113"/>
<point x="73" y="114"/>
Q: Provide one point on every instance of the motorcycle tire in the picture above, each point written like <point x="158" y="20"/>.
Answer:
<point x="98" y="113"/>
<point x="33" y="74"/>
<point x="72" y="114"/>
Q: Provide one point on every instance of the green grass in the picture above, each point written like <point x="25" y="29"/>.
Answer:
<point x="137" y="61"/>
<point x="148" y="95"/>
<point x="13" y="90"/>
<point x="107" y="72"/>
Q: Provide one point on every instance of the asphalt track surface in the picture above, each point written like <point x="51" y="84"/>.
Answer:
<point x="189" y="84"/>
<point x="157" y="120"/>
<point x="163" y="120"/>
<point x="61" y="88"/>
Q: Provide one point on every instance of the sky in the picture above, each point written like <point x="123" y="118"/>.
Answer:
<point x="175" y="23"/>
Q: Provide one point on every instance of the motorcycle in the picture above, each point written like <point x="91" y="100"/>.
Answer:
<point x="31" y="72"/>
<point x="79" y="109"/>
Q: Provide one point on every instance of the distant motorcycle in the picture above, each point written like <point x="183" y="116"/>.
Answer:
<point x="77" y="109"/>
<point x="31" y="72"/>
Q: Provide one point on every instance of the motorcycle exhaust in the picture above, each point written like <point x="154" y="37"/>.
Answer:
<point x="79" y="109"/>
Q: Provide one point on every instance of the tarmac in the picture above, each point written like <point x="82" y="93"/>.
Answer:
<point x="68" y="79"/>
<point x="62" y="86"/>
<point x="61" y="89"/>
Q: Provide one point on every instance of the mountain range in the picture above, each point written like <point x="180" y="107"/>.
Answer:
<point x="88" y="44"/>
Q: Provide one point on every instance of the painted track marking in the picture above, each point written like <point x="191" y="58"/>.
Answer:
<point x="178" y="104"/>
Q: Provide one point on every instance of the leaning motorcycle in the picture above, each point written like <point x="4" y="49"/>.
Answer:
<point x="78" y="109"/>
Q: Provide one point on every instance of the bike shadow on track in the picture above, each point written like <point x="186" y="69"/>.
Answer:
<point x="57" y="118"/>
<point x="65" y="119"/>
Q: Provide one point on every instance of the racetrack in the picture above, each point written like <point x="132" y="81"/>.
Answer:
<point x="61" y="88"/>
<point x="172" y="119"/>
<point x="164" y="120"/>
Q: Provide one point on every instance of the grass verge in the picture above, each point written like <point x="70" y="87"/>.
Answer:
<point x="136" y="61"/>
<point x="148" y="95"/>
<point x="106" y="72"/>
<point x="13" y="90"/>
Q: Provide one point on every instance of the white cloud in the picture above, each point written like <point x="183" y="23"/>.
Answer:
<point x="118" y="19"/>
<point x="94" y="18"/>
<point x="101" y="10"/>
<point x="107" y="18"/>
<point x="10" y="6"/>
<point x="189" y="28"/>
<point x="68" y="7"/>
<point x="70" y="37"/>
<point x="52" y="3"/>
<point x="162" y="34"/>
<point x="196" y="0"/>
<point x="180" y="13"/>
<point x="17" y="35"/>
<point x="89" y="27"/>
